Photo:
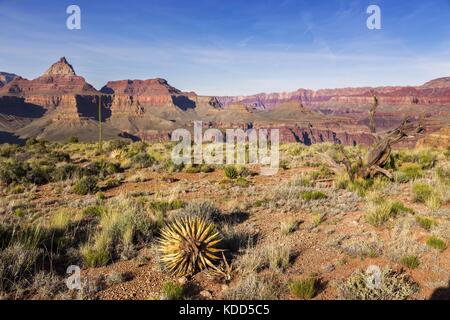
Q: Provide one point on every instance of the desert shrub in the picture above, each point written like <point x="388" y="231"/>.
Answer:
<point x="301" y="181"/>
<point x="14" y="171"/>
<point x="58" y="156"/>
<point x="136" y="148"/>
<point x="199" y="168"/>
<point x="312" y="195"/>
<point x="426" y="223"/>
<point x="436" y="243"/>
<point x="101" y="168"/>
<point x="411" y="262"/>
<point x="124" y="223"/>
<point x="86" y="185"/>
<point x="278" y="257"/>
<point x="93" y="211"/>
<point x="8" y="150"/>
<point x="61" y="219"/>
<point x="95" y="257"/>
<point x="111" y="183"/>
<point x="116" y="145"/>
<point x="322" y="173"/>
<point x="360" y="186"/>
<point x="393" y="286"/>
<point x="16" y="265"/>
<point x="434" y="202"/>
<point x="230" y="172"/>
<point x="421" y="192"/>
<point x="172" y="291"/>
<point x="289" y="226"/>
<point x="65" y="172"/>
<point x="443" y="174"/>
<point x="317" y="218"/>
<point x="379" y="211"/>
<point x="202" y="209"/>
<point x="39" y="174"/>
<point x="426" y="159"/>
<point x="408" y="172"/>
<point x="252" y="288"/>
<point x="341" y="181"/>
<point x="73" y="139"/>
<point x="303" y="289"/>
<point x="16" y="188"/>
<point x="251" y="261"/>
<point x="142" y="160"/>
<point x="19" y="212"/>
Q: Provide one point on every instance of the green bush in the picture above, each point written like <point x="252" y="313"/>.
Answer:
<point x="95" y="257"/>
<point x="73" y="139"/>
<point x="380" y="211"/>
<point x="84" y="186"/>
<point x="426" y="223"/>
<point x="93" y="211"/>
<point x="436" y="243"/>
<point x="172" y="291"/>
<point x="142" y="160"/>
<point x="312" y="195"/>
<point x="411" y="262"/>
<point x="408" y="172"/>
<point x="303" y="289"/>
<point x="421" y="192"/>
<point x="230" y="172"/>
<point x="65" y="172"/>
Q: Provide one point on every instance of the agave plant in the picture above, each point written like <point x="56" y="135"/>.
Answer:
<point x="188" y="245"/>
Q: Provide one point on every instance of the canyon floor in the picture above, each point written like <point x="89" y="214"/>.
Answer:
<point x="304" y="233"/>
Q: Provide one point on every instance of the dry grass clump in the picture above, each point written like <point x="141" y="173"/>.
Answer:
<point x="379" y="210"/>
<point x="436" y="243"/>
<point x="393" y="286"/>
<point x="289" y="226"/>
<point x="252" y="287"/>
<point x="124" y="223"/>
<point x="303" y="289"/>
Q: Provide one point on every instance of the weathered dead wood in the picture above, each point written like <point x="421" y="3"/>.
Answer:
<point x="379" y="153"/>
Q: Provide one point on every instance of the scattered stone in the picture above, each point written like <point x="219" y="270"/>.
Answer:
<point x="328" y="267"/>
<point x="206" y="294"/>
<point x="182" y="280"/>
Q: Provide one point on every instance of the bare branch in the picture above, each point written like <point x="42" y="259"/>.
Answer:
<point x="372" y="112"/>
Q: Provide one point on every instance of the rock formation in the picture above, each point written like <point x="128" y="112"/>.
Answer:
<point x="60" y="102"/>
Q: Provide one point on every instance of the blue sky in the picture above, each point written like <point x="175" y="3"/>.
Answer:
<point x="232" y="47"/>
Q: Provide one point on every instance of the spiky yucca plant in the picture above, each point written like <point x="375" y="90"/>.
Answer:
<point x="188" y="245"/>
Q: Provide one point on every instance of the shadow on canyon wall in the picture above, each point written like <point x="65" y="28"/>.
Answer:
<point x="183" y="102"/>
<point x="8" y="137"/>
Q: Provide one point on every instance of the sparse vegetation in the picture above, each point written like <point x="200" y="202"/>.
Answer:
<point x="172" y="291"/>
<point x="68" y="203"/>
<point x="436" y="243"/>
<point x="393" y="286"/>
<point x="303" y="289"/>
<point x="411" y="262"/>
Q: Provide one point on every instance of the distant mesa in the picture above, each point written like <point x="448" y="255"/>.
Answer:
<point x="150" y="87"/>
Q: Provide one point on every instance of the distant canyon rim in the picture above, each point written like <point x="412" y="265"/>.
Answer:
<point x="60" y="104"/>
